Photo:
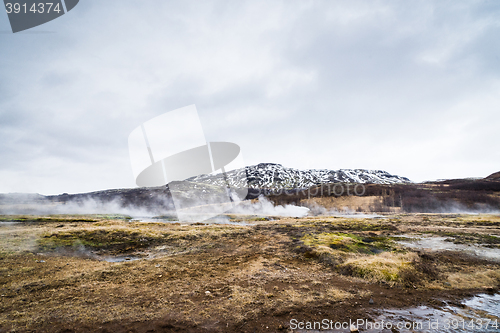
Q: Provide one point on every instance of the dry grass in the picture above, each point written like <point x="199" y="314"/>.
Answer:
<point x="385" y="267"/>
<point x="476" y="278"/>
<point x="330" y="240"/>
<point x="343" y="203"/>
<point x="251" y="272"/>
<point x="347" y="242"/>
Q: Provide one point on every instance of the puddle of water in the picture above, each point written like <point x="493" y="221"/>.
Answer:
<point x="487" y="303"/>
<point x="440" y="243"/>
<point x="154" y="219"/>
<point x="169" y="220"/>
<point x="366" y="216"/>
<point x="481" y="313"/>
<point x="7" y="223"/>
<point x="359" y="216"/>
<point x="119" y="258"/>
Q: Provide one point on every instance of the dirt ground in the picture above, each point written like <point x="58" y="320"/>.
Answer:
<point x="253" y="275"/>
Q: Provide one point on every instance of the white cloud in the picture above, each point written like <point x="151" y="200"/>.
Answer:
<point x="409" y="87"/>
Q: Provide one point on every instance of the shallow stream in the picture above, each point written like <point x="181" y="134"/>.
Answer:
<point x="436" y="243"/>
<point x="480" y="313"/>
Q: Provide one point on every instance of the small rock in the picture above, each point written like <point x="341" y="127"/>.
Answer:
<point x="207" y="292"/>
<point x="354" y="328"/>
<point x="447" y="284"/>
<point x="157" y="265"/>
<point x="489" y="289"/>
<point x="371" y="301"/>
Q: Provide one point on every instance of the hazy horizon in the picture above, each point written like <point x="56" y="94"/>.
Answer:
<point x="104" y="189"/>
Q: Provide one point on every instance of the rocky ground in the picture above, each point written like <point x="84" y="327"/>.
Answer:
<point x="253" y="275"/>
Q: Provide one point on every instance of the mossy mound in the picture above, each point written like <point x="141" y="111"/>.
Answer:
<point x="388" y="267"/>
<point x="103" y="239"/>
<point x="349" y="242"/>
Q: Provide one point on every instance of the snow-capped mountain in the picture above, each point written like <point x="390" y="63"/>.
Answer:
<point x="276" y="176"/>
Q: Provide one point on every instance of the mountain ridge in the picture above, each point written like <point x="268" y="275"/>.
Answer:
<point x="276" y="176"/>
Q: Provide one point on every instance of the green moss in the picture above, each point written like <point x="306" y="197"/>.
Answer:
<point x="96" y="239"/>
<point x="367" y="226"/>
<point x="248" y="218"/>
<point x="166" y="218"/>
<point x="349" y="242"/>
<point x="349" y="225"/>
<point x="113" y="217"/>
<point x="386" y="274"/>
<point x="45" y="219"/>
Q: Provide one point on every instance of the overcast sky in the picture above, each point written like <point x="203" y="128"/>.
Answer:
<point x="410" y="87"/>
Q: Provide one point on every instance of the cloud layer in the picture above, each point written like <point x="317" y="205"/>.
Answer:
<point x="408" y="87"/>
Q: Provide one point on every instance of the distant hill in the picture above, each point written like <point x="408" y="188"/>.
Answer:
<point x="383" y="192"/>
<point x="495" y="176"/>
<point x="480" y="195"/>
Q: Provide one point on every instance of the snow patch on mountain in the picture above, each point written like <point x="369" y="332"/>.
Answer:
<point x="276" y="176"/>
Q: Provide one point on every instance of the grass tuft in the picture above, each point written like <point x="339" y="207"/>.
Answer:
<point x="388" y="267"/>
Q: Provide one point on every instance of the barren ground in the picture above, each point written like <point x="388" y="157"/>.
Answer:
<point x="251" y="276"/>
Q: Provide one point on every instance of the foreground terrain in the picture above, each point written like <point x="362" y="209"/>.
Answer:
<point x="63" y="273"/>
